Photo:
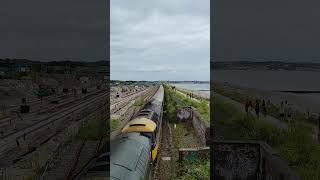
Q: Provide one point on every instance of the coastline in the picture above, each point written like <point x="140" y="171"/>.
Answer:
<point x="303" y="102"/>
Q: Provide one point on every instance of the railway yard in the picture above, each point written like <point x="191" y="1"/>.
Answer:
<point x="39" y="132"/>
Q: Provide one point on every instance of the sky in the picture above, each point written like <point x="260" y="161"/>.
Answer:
<point x="286" y="30"/>
<point x="53" y="30"/>
<point x="160" y="40"/>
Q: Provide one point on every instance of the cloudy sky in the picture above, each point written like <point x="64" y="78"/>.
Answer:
<point x="53" y="30"/>
<point x="160" y="40"/>
<point x="286" y="30"/>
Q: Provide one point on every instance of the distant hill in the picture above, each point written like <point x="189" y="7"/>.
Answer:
<point x="25" y="62"/>
<point x="266" y="65"/>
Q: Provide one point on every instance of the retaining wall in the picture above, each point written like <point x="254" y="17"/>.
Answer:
<point x="194" y="153"/>
<point x="248" y="160"/>
<point x="201" y="127"/>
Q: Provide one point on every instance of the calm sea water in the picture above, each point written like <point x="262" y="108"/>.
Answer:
<point x="203" y="87"/>
<point x="271" y="80"/>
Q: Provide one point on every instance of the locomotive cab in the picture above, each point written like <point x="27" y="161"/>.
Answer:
<point x="147" y="128"/>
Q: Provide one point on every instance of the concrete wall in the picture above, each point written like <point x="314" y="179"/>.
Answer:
<point x="248" y="160"/>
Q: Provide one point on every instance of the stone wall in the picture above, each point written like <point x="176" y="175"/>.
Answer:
<point x="194" y="153"/>
<point x="246" y="160"/>
<point x="201" y="127"/>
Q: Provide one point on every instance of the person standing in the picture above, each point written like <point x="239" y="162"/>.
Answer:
<point x="286" y="109"/>
<point x="257" y="107"/>
<point x="281" y="110"/>
<point x="250" y="105"/>
<point x="247" y="106"/>
<point x="289" y="113"/>
<point x="264" y="108"/>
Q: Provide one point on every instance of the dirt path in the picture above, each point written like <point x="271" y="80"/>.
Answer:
<point x="240" y="106"/>
<point x="165" y="164"/>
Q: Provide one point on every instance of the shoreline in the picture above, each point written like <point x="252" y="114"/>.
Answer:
<point x="302" y="102"/>
<point x="201" y="94"/>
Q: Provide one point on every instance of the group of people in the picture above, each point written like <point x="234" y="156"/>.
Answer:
<point x="190" y="95"/>
<point x="285" y="111"/>
<point x="257" y="106"/>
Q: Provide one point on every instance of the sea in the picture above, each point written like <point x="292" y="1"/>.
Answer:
<point x="270" y="80"/>
<point x="276" y="81"/>
<point x="203" y="88"/>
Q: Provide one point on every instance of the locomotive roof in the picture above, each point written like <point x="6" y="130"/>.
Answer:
<point x="126" y="152"/>
<point x="140" y="124"/>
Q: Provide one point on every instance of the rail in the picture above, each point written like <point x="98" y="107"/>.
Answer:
<point x="90" y="160"/>
<point x="75" y="161"/>
<point x="75" y="108"/>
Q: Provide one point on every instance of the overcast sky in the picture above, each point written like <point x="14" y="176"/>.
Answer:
<point x="286" y="30"/>
<point x="53" y="30"/>
<point x="160" y="40"/>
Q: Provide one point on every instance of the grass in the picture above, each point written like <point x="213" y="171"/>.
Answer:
<point x="195" y="170"/>
<point x="272" y="109"/>
<point x="93" y="130"/>
<point x="138" y="102"/>
<point x="184" y="136"/>
<point x="115" y="122"/>
<point x="171" y="106"/>
<point x="295" y="146"/>
<point x="201" y="106"/>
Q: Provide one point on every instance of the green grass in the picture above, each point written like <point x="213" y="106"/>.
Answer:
<point x="195" y="170"/>
<point x="93" y="130"/>
<point x="295" y="146"/>
<point x="115" y="122"/>
<point x="171" y="106"/>
<point x="272" y="110"/>
<point x="184" y="136"/>
<point x="138" y="102"/>
<point x="201" y="105"/>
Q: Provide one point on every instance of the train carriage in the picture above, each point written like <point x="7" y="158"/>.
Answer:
<point x="132" y="152"/>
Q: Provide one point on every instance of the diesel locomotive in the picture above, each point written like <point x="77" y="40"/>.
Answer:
<point x="133" y="152"/>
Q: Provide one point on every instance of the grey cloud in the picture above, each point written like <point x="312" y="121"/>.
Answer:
<point x="146" y="35"/>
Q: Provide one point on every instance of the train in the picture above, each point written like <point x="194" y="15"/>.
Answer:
<point x="134" y="151"/>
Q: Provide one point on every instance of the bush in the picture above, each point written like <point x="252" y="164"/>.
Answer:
<point x="195" y="170"/>
<point x="138" y="102"/>
<point x="170" y="107"/>
<point x="115" y="122"/>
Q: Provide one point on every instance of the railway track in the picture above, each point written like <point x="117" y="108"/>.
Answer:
<point x="6" y="122"/>
<point x="124" y="101"/>
<point x="8" y="141"/>
<point x="72" y="162"/>
<point x="131" y="112"/>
